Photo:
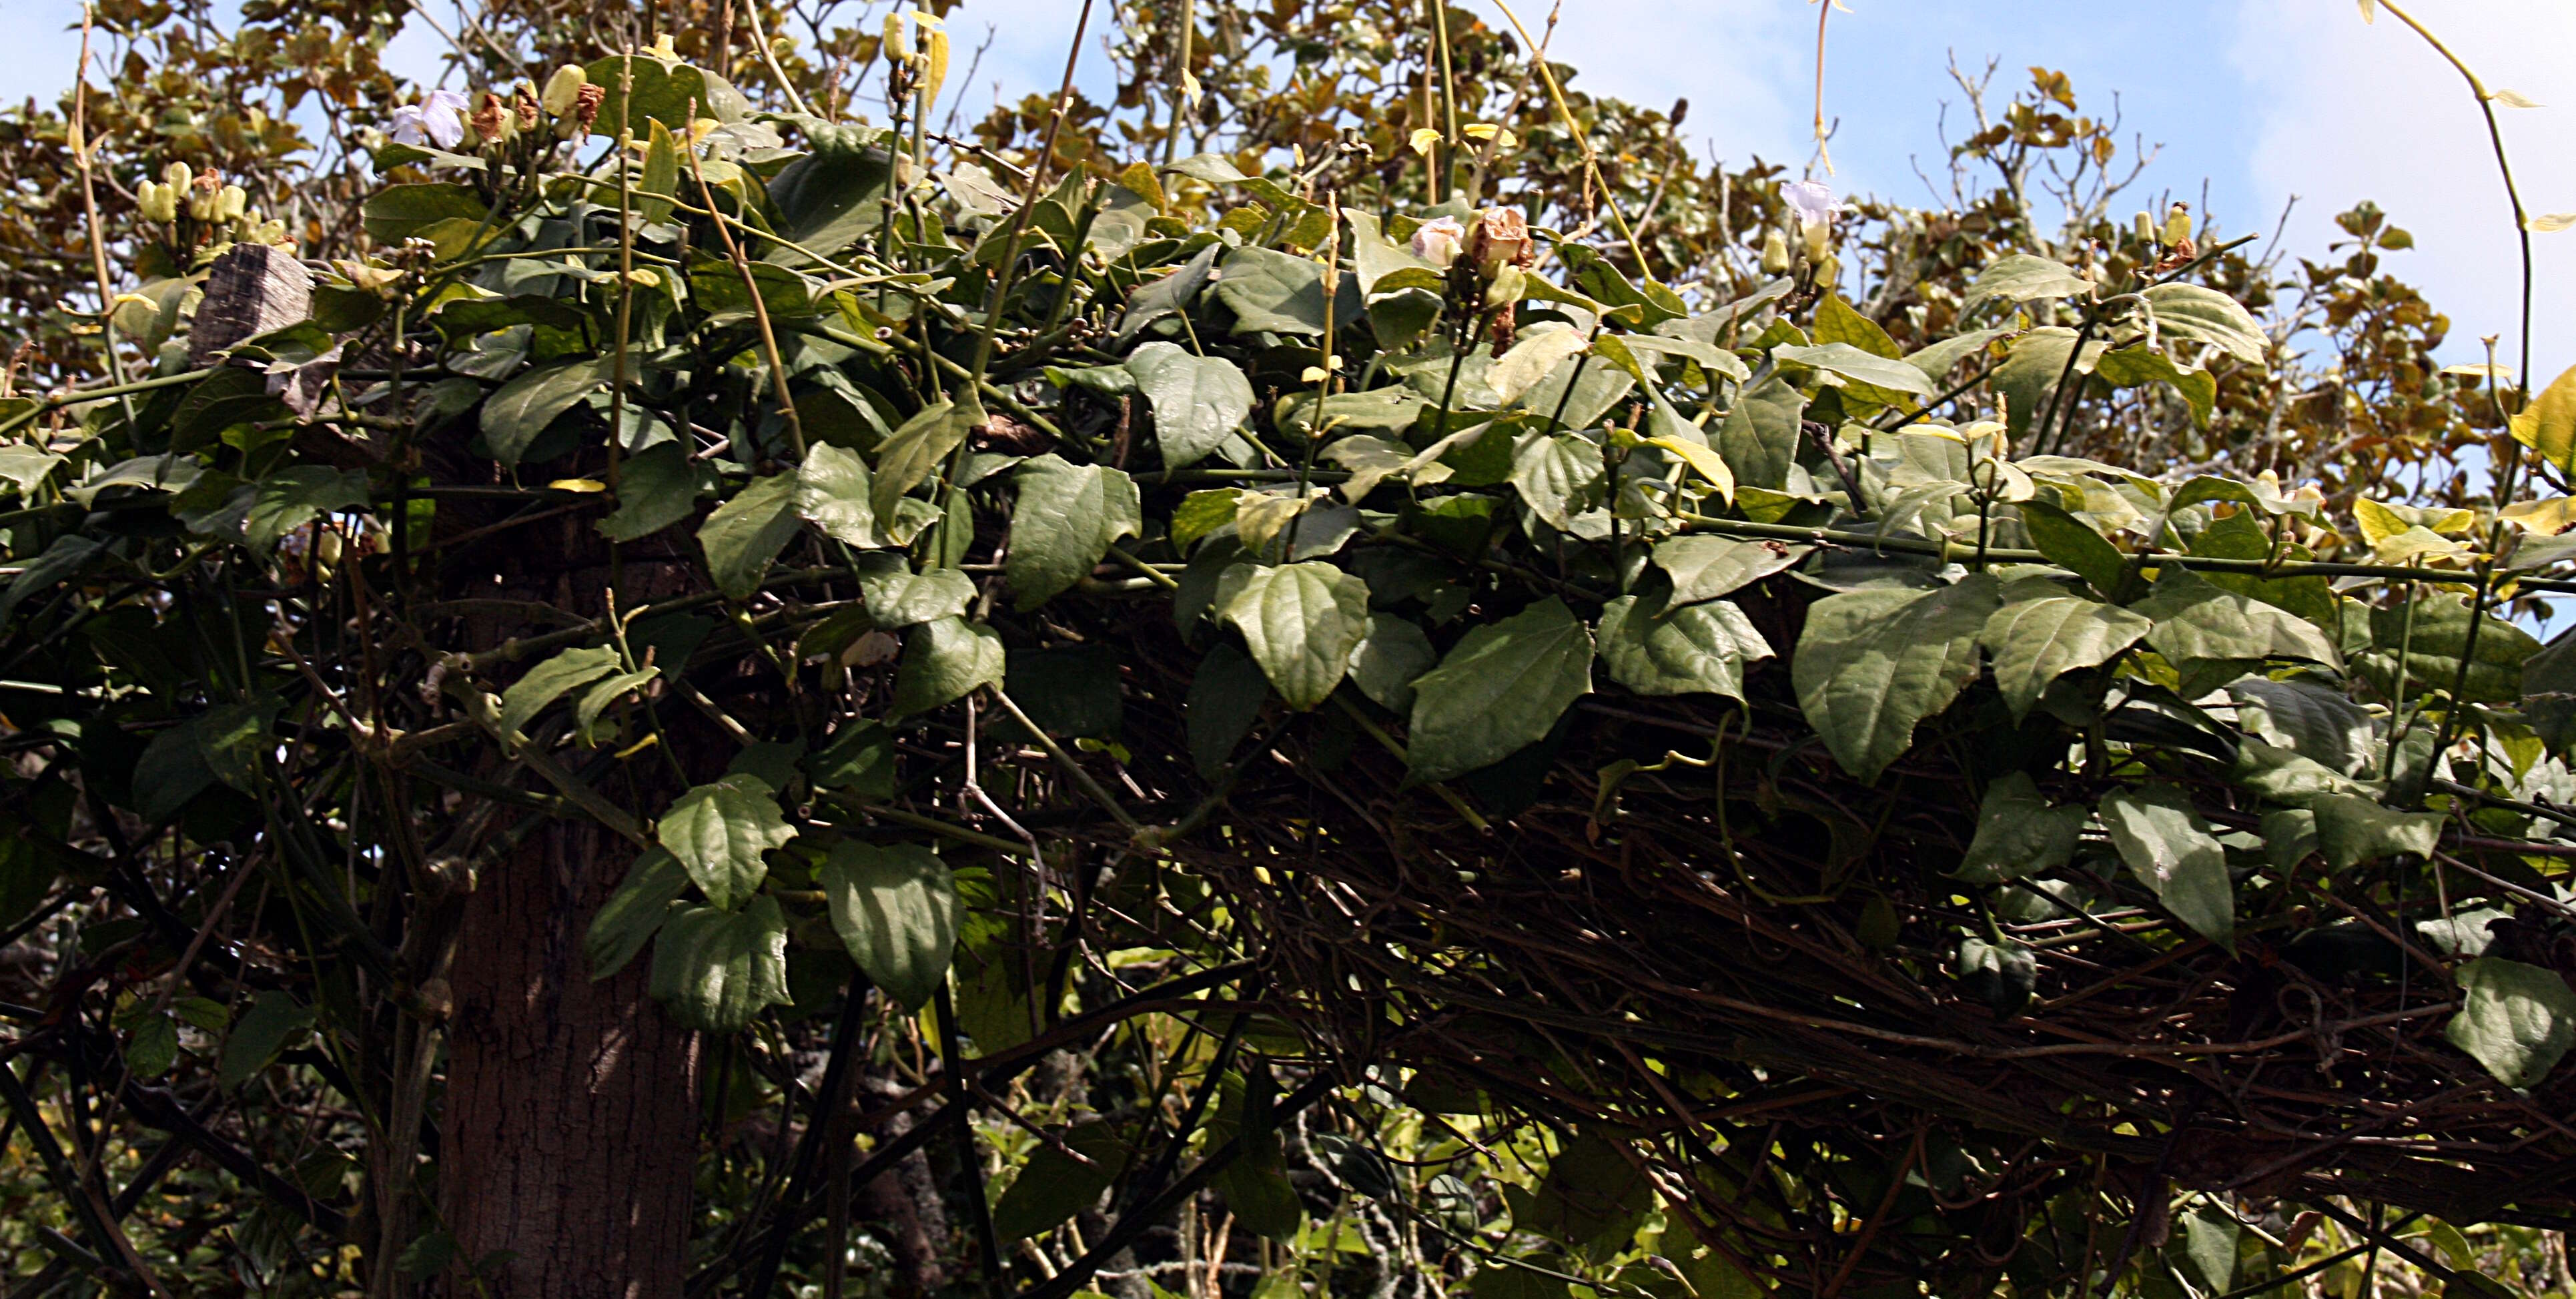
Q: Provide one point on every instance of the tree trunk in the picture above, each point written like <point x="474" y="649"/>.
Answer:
<point x="570" y="1135"/>
<point x="571" y="1125"/>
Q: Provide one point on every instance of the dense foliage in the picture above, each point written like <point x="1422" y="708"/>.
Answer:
<point x="1351" y="672"/>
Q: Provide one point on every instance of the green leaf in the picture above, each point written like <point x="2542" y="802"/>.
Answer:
<point x="1874" y="663"/>
<point x="1679" y="651"/>
<point x="2209" y="1237"/>
<point x="2019" y="834"/>
<point x="2462" y="933"/>
<point x="1559" y="477"/>
<point x="943" y="660"/>
<point x="1201" y="513"/>
<point x="716" y="288"/>
<point x="1531" y="359"/>
<point x="399" y="212"/>
<point x="514" y="416"/>
<point x="292" y="497"/>
<point x="543" y="684"/>
<point x="2001" y="976"/>
<point x="1068" y="517"/>
<point x="596" y="700"/>
<point x="1500" y="690"/>
<point x="2197" y="620"/>
<point x="2020" y="277"/>
<point x="1704" y="568"/>
<point x="895" y="909"/>
<point x="2032" y="368"/>
<point x="1053" y="1186"/>
<point x="2131" y="367"/>
<point x="833" y="195"/>
<point x="1593" y="1198"/>
<point x="2316" y="723"/>
<point x="656" y="487"/>
<point x="273" y="1020"/>
<point x="1279" y="292"/>
<point x="833" y="492"/>
<point x="1760" y="436"/>
<point x="914" y="451"/>
<point x="747" y="532"/>
<point x="2199" y="315"/>
<point x="634" y="913"/>
<point x="716" y="970"/>
<point x="2435" y="646"/>
<point x="154" y="1046"/>
<point x="2352" y="830"/>
<point x="898" y="597"/>
<point x="860" y="759"/>
<point x="2289" y="836"/>
<point x="1848" y="362"/>
<point x="2517" y="1020"/>
<point x="1388" y="659"/>
<point x="2170" y="849"/>
<point x="1301" y="622"/>
<point x="1226" y="694"/>
<point x="663" y="92"/>
<point x="2035" y="642"/>
<point x="1198" y="401"/>
<point x="171" y="771"/>
<point x="719" y="831"/>
<point x="1939" y="359"/>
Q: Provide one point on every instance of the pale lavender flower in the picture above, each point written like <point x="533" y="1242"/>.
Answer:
<point x="1812" y="201"/>
<point x="438" y="119"/>
<point x="1437" y="241"/>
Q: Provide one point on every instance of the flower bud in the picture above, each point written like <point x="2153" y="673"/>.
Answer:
<point x="664" y="50"/>
<point x="230" y="203"/>
<point x="1436" y="241"/>
<point x="177" y="176"/>
<point x="493" y="120"/>
<point x="158" y="204"/>
<point x="563" y="88"/>
<point x="1509" y="283"/>
<point x="1775" y="253"/>
<point x="2178" y="223"/>
<point x="1501" y="238"/>
<point x="2144" y="227"/>
<point x="204" y="201"/>
<point x="898" y="40"/>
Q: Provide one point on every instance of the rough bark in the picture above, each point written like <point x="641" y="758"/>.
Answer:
<point x="570" y="1132"/>
<point x="905" y="1201"/>
<point x="570" y="1126"/>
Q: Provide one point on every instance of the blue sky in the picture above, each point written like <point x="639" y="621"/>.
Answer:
<point x="2259" y="99"/>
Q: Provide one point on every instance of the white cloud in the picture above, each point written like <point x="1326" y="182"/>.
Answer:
<point x="2346" y="112"/>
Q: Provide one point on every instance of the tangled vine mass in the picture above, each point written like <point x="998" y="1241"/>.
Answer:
<point x="1349" y="672"/>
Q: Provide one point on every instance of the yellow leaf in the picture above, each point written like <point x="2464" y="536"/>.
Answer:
<point x="2548" y="425"/>
<point x="2414" y="544"/>
<point x="2378" y="522"/>
<point x="2369" y="11"/>
<point x="2481" y="370"/>
<point x="2548" y="518"/>
<point x="2552" y="223"/>
<point x="577" y="485"/>
<point x="1702" y="460"/>
<point x="2514" y="99"/>
<point x="1423" y="138"/>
